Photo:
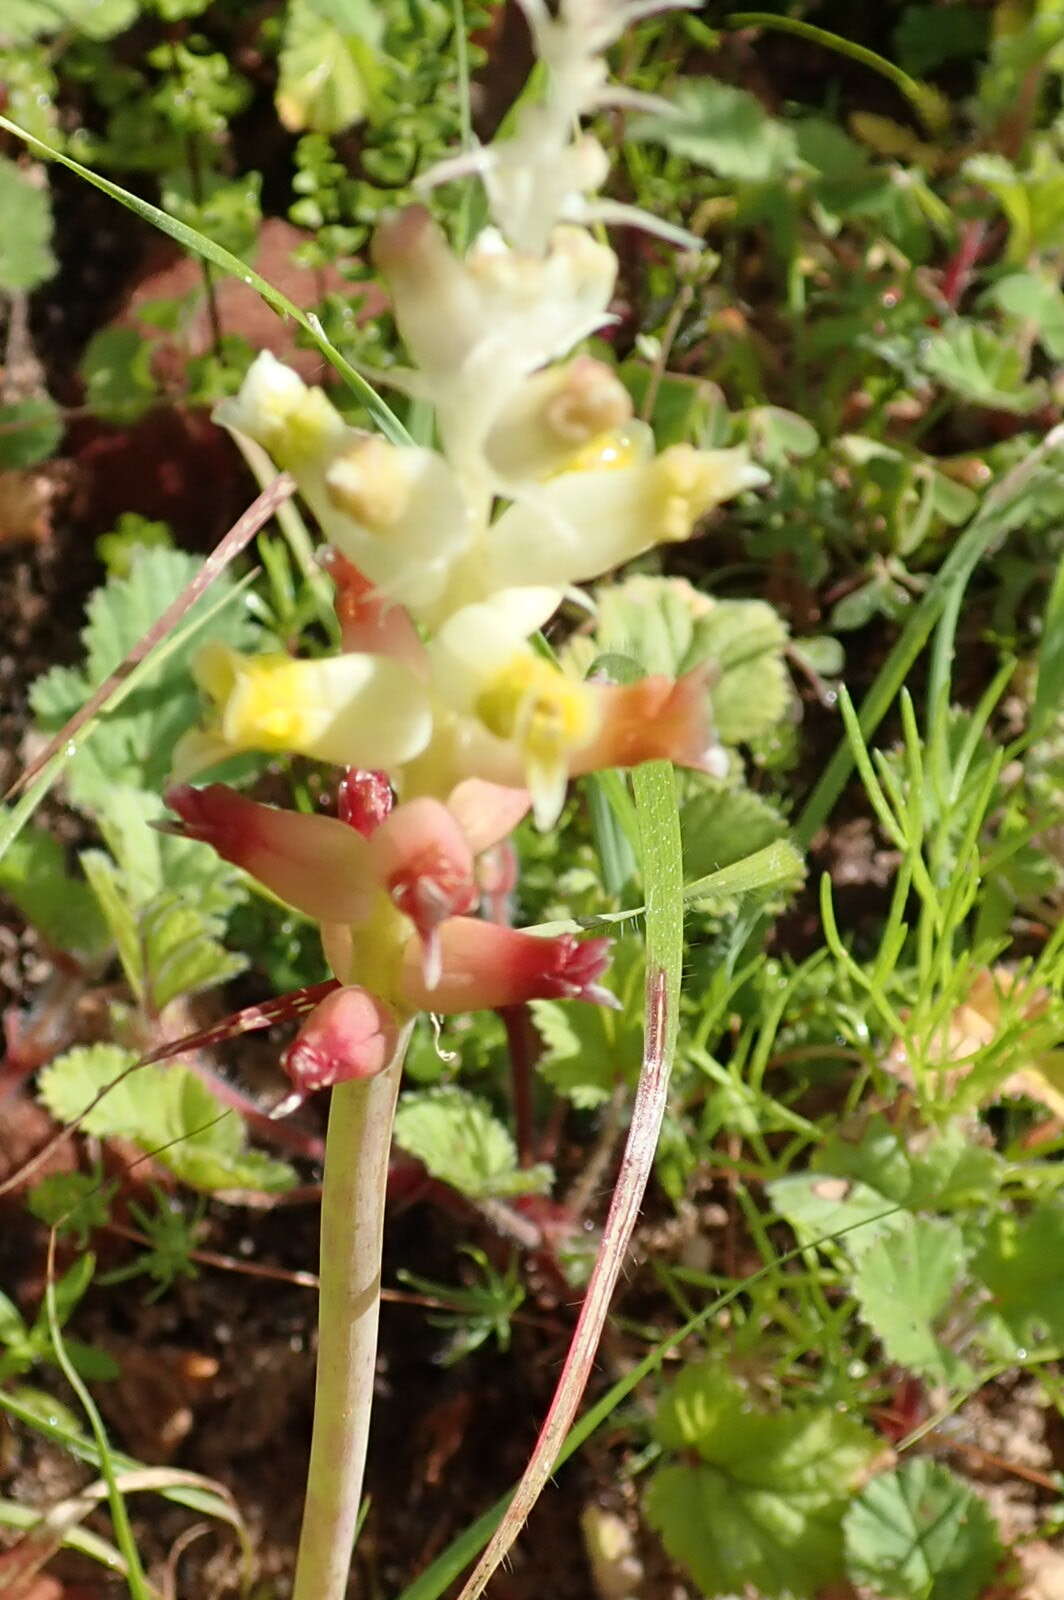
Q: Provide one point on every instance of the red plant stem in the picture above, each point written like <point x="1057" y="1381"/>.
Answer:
<point x="647" y="1114"/>
<point x="957" y="273"/>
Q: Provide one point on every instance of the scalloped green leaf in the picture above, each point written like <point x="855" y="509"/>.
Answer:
<point x="906" y="1282"/>
<point x="757" y="1498"/>
<point x="331" y="70"/>
<point x="26" y="258"/>
<point x="166" y="1111"/>
<point x="722" y="825"/>
<point x="725" y="129"/>
<point x="919" y="1533"/>
<point x="462" y="1143"/>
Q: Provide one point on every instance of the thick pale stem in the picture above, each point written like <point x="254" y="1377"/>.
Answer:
<point x="352" y="1232"/>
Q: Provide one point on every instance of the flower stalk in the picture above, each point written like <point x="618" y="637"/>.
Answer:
<point x="354" y="1187"/>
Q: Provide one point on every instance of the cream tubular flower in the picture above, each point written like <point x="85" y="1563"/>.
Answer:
<point x="299" y="426"/>
<point x="477" y="326"/>
<point x="398" y="513"/>
<point x="355" y="710"/>
<point x="518" y="717"/>
<point x="555" y="416"/>
<point x="583" y="524"/>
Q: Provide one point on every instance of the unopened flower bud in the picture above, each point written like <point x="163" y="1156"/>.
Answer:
<point x="351" y="1034"/>
<point x="364" y="799"/>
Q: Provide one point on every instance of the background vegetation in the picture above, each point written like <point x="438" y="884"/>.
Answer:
<point x="836" y="1356"/>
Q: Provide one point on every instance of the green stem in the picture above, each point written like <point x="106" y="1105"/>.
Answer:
<point x="352" y="1232"/>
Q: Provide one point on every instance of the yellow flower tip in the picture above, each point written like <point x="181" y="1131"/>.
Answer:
<point x="547" y="716"/>
<point x="310" y="431"/>
<point x="215" y="669"/>
<point x="295" y="424"/>
<point x="607" y="451"/>
<point x="367" y="482"/>
<point x="266" y="707"/>
<point x="690" y="482"/>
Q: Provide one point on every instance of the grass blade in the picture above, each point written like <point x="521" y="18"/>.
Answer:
<point x="207" y="250"/>
<point x="655" y="798"/>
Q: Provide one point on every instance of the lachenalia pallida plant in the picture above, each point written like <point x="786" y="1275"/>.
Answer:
<point x="449" y="724"/>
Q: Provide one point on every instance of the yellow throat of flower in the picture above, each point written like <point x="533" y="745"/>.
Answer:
<point x="260" y="700"/>
<point x="533" y="705"/>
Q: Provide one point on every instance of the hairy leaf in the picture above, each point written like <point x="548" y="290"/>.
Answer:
<point x="463" y="1144"/>
<point x="721" y="826"/>
<point x="921" y="1534"/>
<point x="763" y="1504"/>
<point x="906" y="1283"/>
<point x="167" y="1111"/>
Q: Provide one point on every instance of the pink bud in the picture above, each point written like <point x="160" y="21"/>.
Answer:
<point x="364" y="799"/>
<point x="351" y="1034"/>
<point x="485" y="965"/>
<point x="317" y="864"/>
<point x="655" y="719"/>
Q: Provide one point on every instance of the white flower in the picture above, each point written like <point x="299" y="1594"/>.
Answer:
<point x="476" y="327"/>
<point x="296" y="424"/>
<point x="583" y="524"/>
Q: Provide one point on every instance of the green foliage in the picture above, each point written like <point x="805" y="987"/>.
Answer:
<point x="461" y="1143"/>
<point x="724" y="129"/>
<point x="167" y="1111"/>
<point x="330" y="68"/>
<point x="772" y="1485"/>
<point x="26" y="258"/>
<point x="1016" y="1263"/>
<point x="920" y="1534"/>
<point x="34" y="878"/>
<point x="26" y="20"/>
<point x="981" y="368"/>
<point x="74" y="1203"/>
<point x="132" y="532"/>
<point x="172" y="1237"/>
<point x="30" y="430"/>
<point x="590" y="1050"/>
<point x="132" y="745"/>
<point x="906" y="1285"/>
<point x="476" y="1312"/>
<point x="27" y="1345"/>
